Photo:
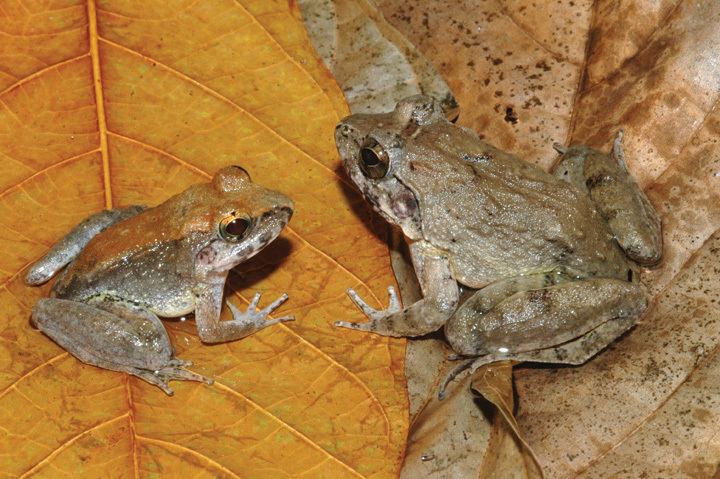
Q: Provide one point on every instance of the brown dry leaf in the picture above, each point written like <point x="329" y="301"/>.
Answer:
<point x="448" y="438"/>
<point x="647" y="406"/>
<point x="466" y="434"/>
<point x="374" y="64"/>
<point x="514" y="66"/>
<point x="494" y="383"/>
<point x="113" y="103"/>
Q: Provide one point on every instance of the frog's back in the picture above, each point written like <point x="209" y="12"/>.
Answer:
<point x="140" y="259"/>
<point x="499" y="217"/>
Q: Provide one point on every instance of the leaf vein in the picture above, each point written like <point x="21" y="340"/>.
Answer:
<point x="284" y="424"/>
<point x="69" y="443"/>
<point x="40" y="72"/>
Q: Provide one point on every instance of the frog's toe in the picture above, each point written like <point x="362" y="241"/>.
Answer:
<point x="274" y="305"/>
<point x="171" y="372"/>
<point x="453" y="374"/>
<point x="395" y="305"/>
<point x="255" y="316"/>
<point x="271" y="322"/>
<point x="562" y="149"/>
<point x="154" y="378"/>
<point x="355" y="326"/>
<point x="361" y="304"/>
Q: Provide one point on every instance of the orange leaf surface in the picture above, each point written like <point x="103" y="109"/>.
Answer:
<point x="106" y="104"/>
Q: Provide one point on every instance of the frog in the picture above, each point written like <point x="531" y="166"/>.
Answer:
<point x="122" y="269"/>
<point x="547" y="263"/>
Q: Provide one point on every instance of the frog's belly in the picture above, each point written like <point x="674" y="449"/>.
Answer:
<point x="169" y="296"/>
<point x="480" y="269"/>
<point x="174" y="306"/>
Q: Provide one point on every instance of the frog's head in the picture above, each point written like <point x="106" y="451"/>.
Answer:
<point x="243" y="218"/>
<point x="373" y="148"/>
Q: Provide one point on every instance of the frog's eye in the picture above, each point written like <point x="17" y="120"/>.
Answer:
<point x="233" y="228"/>
<point x="374" y="160"/>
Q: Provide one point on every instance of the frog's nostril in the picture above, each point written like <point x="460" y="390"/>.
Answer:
<point x="342" y="129"/>
<point x="287" y="211"/>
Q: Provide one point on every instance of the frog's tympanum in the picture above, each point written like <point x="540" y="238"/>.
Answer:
<point x="554" y="257"/>
<point x="127" y="266"/>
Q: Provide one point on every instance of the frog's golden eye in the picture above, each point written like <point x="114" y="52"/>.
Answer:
<point x="233" y="228"/>
<point x="374" y="160"/>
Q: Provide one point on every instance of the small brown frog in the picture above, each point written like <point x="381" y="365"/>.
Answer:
<point x="553" y="256"/>
<point x="127" y="266"/>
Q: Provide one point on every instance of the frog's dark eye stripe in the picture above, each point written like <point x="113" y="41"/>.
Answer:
<point x="233" y="228"/>
<point x="374" y="160"/>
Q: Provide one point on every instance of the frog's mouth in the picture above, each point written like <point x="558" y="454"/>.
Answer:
<point x="264" y="230"/>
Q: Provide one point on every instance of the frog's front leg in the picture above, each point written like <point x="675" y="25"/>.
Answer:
<point x="207" y="315"/>
<point x="440" y="299"/>
<point x="618" y="198"/>
<point x="70" y="246"/>
<point x="113" y="334"/>
<point x="542" y="318"/>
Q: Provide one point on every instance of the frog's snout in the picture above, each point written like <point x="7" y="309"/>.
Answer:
<point x="285" y="212"/>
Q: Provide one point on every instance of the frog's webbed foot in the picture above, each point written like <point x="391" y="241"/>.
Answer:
<point x="376" y="315"/>
<point x="574" y="352"/>
<point x="173" y="371"/>
<point x="257" y="319"/>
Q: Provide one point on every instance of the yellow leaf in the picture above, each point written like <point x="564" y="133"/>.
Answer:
<point x="106" y="104"/>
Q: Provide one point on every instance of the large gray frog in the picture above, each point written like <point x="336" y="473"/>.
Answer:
<point x="553" y="256"/>
<point x="126" y="267"/>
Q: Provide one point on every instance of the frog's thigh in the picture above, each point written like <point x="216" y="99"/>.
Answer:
<point x="618" y="198"/>
<point x="125" y="342"/>
<point x="576" y="351"/>
<point x="542" y="318"/>
<point x="630" y="215"/>
<point x="69" y="247"/>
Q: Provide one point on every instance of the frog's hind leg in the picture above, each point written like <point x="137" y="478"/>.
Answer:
<point x="113" y="334"/>
<point x="541" y="318"/>
<point x="617" y="197"/>
<point x="558" y="319"/>
<point x="68" y="248"/>
<point x="574" y="352"/>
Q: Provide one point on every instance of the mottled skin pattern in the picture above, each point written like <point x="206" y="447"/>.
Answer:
<point x="546" y="252"/>
<point x="126" y="267"/>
